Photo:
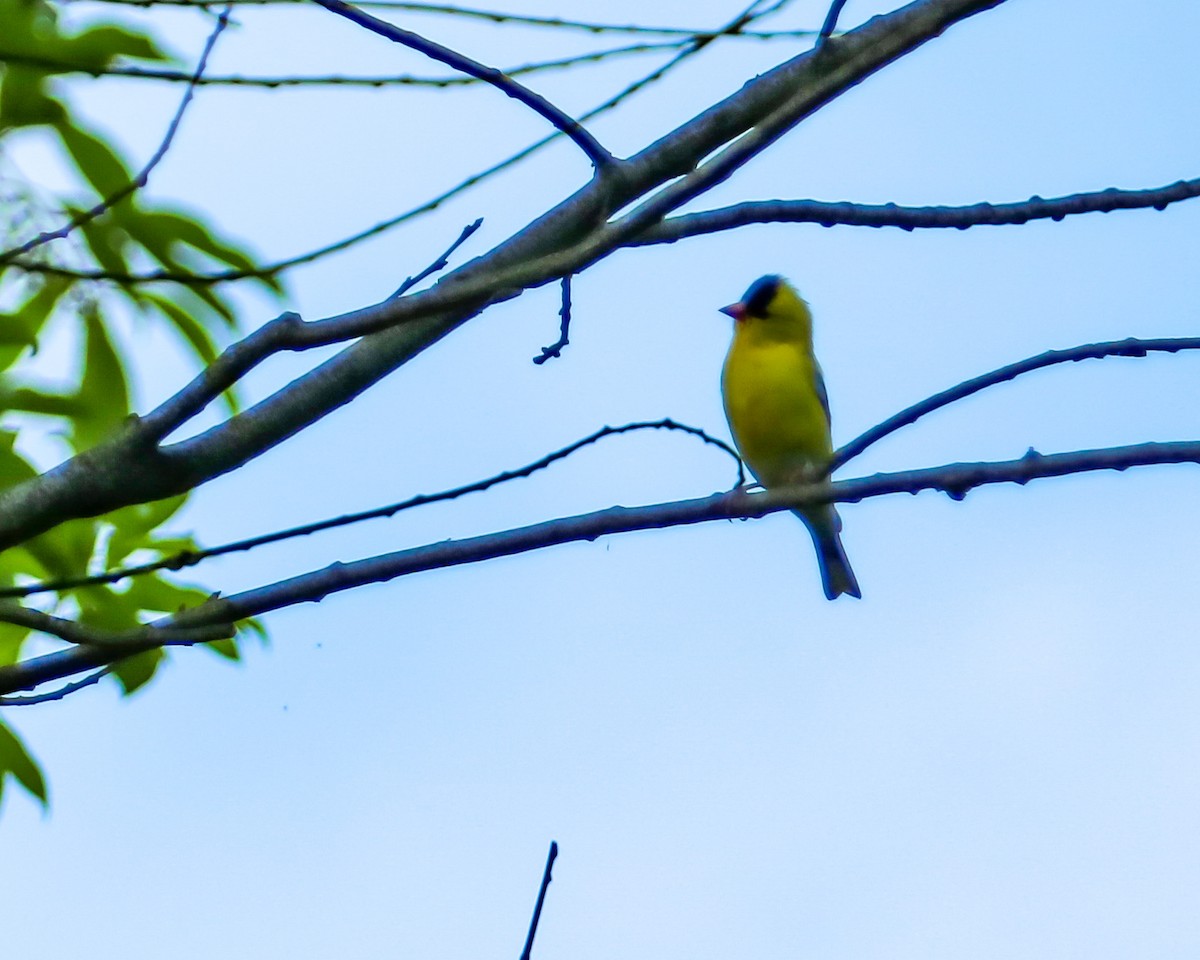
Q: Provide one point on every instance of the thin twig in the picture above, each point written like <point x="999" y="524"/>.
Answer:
<point x="78" y="633"/>
<point x="1129" y="347"/>
<point x="340" y="80"/>
<point x="591" y="147"/>
<point x="541" y="898"/>
<point x="140" y="181"/>
<point x="564" y="326"/>
<point x="492" y="16"/>
<point x="190" y="558"/>
<point x="441" y="262"/>
<point x="830" y="24"/>
<point x="59" y="694"/>
<point x="914" y="218"/>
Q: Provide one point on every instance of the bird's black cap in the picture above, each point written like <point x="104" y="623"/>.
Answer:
<point x="760" y="294"/>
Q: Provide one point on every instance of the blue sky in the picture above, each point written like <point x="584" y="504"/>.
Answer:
<point x="993" y="754"/>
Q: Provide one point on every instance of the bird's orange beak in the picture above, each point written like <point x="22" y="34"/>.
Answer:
<point x="735" y="310"/>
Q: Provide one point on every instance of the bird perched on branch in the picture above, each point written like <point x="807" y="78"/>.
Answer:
<point x="778" y="412"/>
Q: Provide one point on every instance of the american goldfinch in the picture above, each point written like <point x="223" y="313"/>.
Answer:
<point x="778" y="412"/>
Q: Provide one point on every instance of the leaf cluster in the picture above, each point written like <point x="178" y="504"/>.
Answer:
<point x="81" y="407"/>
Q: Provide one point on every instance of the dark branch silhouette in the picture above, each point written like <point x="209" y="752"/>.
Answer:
<point x="441" y="262"/>
<point x="493" y="16"/>
<point x="72" y="632"/>
<point x="1130" y="347"/>
<point x="190" y="558"/>
<point x="567" y="125"/>
<point x="541" y="899"/>
<point x="564" y="326"/>
<point x="954" y="479"/>
<point x="831" y="19"/>
<point x="915" y="218"/>
<point x="59" y="694"/>
<point x="385" y="80"/>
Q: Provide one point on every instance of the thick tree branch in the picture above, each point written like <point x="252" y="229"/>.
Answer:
<point x="914" y="218"/>
<point x="573" y="235"/>
<point x="591" y="147"/>
<point x="954" y="479"/>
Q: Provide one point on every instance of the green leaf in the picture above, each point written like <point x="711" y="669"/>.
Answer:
<point x="65" y="550"/>
<point x="14" y="468"/>
<point x="20" y="328"/>
<point x="31" y="400"/>
<point x="255" y="627"/>
<point x="197" y="338"/>
<point x="169" y="227"/>
<point x="103" y="394"/>
<point x="135" y="672"/>
<point x="15" y="760"/>
<point x="225" y="648"/>
<point x="97" y="47"/>
<point x="12" y="638"/>
<point x="24" y="102"/>
<point x="107" y="243"/>
<point x="132" y="527"/>
<point x="155" y="594"/>
<point x="94" y="156"/>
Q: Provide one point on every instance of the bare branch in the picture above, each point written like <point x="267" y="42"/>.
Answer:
<point x="541" y="899"/>
<point x="142" y="178"/>
<point x="441" y="262"/>
<point x="954" y="479"/>
<point x="60" y="694"/>
<point x="190" y="558"/>
<point x="493" y="16"/>
<point x="831" y="19"/>
<point x="601" y="158"/>
<point x="913" y="218"/>
<point x="564" y="326"/>
<point x="141" y="637"/>
<point x="1129" y="347"/>
<point x="384" y="80"/>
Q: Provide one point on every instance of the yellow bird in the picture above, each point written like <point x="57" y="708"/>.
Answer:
<point x="778" y="411"/>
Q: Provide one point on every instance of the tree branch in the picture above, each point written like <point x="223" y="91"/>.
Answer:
<point x="77" y="633"/>
<point x="601" y="158"/>
<point x="189" y="558"/>
<point x="492" y="16"/>
<point x="60" y="694"/>
<point x="1129" y="347"/>
<point x="831" y="19"/>
<point x="541" y="899"/>
<point x="954" y="479"/>
<point x="564" y="326"/>
<point x="913" y="218"/>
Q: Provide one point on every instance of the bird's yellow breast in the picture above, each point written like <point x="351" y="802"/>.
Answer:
<point x="774" y="405"/>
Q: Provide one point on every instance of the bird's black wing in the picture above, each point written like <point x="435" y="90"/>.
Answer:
<point x="822" y="393"/>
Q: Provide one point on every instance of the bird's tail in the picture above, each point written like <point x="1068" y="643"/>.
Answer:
<point x="836" y="576"/>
